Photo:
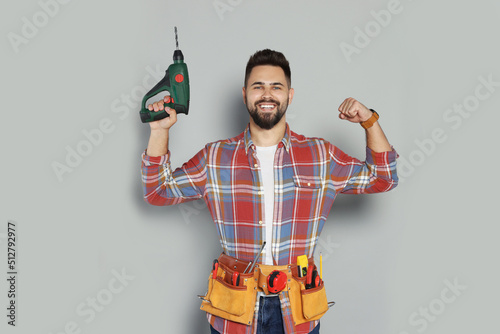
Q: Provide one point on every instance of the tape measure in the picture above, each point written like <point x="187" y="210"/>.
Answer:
<point x="276" y="281"/>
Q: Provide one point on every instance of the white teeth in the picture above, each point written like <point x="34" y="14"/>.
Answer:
<point x="269" y="106"/>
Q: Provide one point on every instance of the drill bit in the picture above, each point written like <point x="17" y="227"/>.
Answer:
<point x="178" y="56"/>
<point x="176" y="40"/>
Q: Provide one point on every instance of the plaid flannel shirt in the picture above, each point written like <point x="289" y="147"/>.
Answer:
<point x="308" y="175"/>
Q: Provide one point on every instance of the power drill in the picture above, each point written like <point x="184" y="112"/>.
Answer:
<point x="176" y="82"/>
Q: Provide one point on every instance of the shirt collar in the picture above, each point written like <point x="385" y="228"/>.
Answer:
<point x="285" y="141"/>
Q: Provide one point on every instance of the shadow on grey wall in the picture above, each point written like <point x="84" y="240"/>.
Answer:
<point x="347" y="208"/>
<point x="239" y="114"/>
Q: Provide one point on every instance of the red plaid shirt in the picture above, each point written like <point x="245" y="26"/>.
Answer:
<point x="308" y="175"/>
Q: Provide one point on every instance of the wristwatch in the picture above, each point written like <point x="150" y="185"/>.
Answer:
<point x="370" y="121"/>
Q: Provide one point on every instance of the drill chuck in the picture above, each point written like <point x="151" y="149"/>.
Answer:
<point x="178" y="56"/>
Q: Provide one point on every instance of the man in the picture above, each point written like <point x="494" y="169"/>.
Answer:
<point x="268" y="184"/>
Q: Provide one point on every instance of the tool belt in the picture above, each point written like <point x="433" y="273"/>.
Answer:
<point x="237" y="302"/>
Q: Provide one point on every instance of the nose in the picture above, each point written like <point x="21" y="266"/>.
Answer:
<point x="267" y="93"/>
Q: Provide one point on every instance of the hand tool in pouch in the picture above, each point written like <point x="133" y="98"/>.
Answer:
<point x="321" y="265"/>
<point x="312" y="279"/>
<point x="256" y="258"/>
<point x="309" y="277"/>
<point x="215" y="267"/>
<point x="176" y="83"/>
<point x="236" y="278"/>
<point x="302" y="264"/>
<point x="316" y="279"/>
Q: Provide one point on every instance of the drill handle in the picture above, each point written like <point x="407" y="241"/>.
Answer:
<point x="176" y="83"/>
<point x="162" y="86"/>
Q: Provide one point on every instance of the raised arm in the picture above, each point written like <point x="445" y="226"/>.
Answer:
<point x="161" y="185"/>
<point x="158" y="139"/>
<point x="354" y="111"/>
<point x="378" y="172"/>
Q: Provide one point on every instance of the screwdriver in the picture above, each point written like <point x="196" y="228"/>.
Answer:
<point x="215" y="268"/>
<point x="236" y="278"/>
<point x="255" y="259"/>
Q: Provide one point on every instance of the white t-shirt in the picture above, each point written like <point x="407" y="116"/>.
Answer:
<point x="266" y="159"/>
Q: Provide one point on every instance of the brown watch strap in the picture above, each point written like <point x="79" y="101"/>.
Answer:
<point x="370" y="121"/>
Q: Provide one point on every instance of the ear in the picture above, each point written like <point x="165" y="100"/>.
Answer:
<point x="290" y="95"/>
<point x="244" y="94"/>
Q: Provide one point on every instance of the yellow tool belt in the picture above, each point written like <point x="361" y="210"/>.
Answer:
<point x="237" y="303"/>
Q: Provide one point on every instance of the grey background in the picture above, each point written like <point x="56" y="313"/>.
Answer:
<point x="386" y="256"/>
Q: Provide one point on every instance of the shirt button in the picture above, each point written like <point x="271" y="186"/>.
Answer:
<point x="256" y="165"/>
<point x="260" y="222"/>
<point x="308" y="184"/>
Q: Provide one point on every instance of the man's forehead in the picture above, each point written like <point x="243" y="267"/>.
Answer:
<point x="267" y="74"/>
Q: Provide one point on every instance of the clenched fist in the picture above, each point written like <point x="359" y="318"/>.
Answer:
<point x="354" y="111"/>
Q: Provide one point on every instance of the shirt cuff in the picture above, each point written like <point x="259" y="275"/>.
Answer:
<point x="149" y="161"/>
<point x="381" y="158"/>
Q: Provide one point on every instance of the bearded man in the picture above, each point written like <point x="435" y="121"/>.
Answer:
<point x="269" y="187"/>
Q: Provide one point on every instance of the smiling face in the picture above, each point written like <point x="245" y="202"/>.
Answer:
<point x="267" y="95"/>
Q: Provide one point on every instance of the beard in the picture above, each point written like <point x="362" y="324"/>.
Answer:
<point x="267" y="121"/>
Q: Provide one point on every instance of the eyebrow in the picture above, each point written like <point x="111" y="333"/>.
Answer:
<point x="271" y="84"/>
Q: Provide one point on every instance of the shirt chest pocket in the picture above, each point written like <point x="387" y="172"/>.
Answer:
<point x="308" y="197"/>
<point x="308" y="183"/>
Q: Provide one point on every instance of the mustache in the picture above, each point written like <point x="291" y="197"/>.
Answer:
<point x="268" y="101"/>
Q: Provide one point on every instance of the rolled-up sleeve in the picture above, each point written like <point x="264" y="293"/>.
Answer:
<point x="374" y="175"/>
<point x="162" y="186"/>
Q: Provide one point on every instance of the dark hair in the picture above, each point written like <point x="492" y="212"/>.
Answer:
<point x="268" y="57"/>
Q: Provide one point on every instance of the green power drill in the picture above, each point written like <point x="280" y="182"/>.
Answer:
<point x="176" y="82"/>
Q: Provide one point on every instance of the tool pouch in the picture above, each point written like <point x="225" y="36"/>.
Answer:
<point x="306" y="304"/>
<point x="237" y="303"/>
<point x="234" y="303"/>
